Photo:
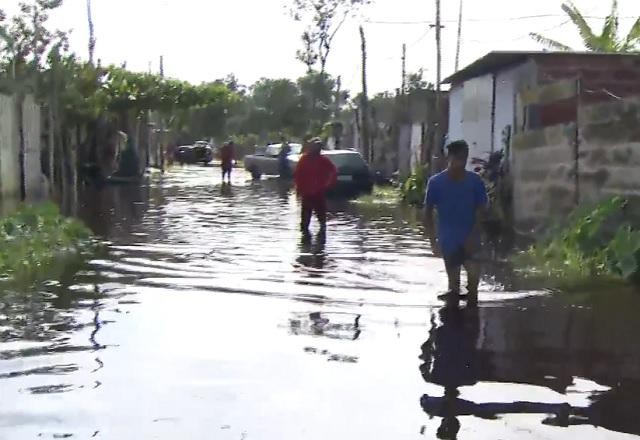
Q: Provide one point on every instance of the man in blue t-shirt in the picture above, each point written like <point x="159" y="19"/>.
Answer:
<point x="459" y="197"/>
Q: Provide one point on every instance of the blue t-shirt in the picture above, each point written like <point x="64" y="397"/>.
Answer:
<point x="456" y="203"/>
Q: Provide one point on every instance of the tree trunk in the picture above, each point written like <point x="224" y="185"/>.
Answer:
<point x="52" y="146"/>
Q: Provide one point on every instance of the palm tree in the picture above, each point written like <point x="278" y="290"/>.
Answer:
<point x="607" y="41"/>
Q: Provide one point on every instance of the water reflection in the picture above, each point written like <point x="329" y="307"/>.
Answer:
<point x="312" y="255"/>
<point x="238" y="296"/>
<point x="330" y="325"/>
<point x="226" y="190"/>
<point x="463" y="351"/>
<point x="449" y="357"/>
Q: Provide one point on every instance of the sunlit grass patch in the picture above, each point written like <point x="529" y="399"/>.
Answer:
<point x="381" y="195"/>
<point x="36" y="239"/>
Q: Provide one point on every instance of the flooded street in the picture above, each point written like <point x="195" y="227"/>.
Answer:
<point x="207" y="318"/>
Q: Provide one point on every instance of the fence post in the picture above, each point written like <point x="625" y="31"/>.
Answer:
<point x="577" y="141"/>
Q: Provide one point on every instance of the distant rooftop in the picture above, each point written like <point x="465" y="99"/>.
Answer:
<point x="497" y="60"/>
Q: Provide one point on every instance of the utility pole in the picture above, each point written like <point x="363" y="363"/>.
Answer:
<point x="438" y="106"/>
<point x="459" y="37"/>
<point x="338" y="97"/>
<point x="404" y="70"/>
<point x="92" y="36"/>
<point x="364" y="104"/>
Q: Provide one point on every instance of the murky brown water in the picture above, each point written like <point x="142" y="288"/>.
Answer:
<point x="208" y="319"/>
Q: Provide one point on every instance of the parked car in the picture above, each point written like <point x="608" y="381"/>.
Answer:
<point x="353" y="172"/>
<point x="200" y="152"/>
<point x="354" y="175"/>
<point x="265" y="160"/>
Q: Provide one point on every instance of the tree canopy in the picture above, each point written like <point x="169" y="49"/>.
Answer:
<point x="323" y="19"/>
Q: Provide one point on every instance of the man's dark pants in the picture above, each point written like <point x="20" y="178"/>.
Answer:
<point x="454" y="263"/>
<point x="314" y="204"/>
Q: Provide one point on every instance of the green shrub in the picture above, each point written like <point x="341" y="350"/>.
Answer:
<point x="414" y="187"/>
<point x="36" y="238"/>
<point x="595" y="243"/>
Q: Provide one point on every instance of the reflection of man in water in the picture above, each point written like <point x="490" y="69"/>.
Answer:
<point x="449" y="360"/>
<point x="312" y="256"/>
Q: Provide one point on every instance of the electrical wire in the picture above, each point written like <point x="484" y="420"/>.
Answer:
<point x="483" y="20"/>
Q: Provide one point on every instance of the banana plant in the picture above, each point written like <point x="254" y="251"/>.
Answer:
<point x="608" y="40"/>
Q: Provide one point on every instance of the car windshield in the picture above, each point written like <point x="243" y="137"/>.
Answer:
<point x="350" y="160"/>
<point x="274" y="149"/>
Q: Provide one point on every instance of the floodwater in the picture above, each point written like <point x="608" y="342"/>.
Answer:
<point x="208" y="319"/>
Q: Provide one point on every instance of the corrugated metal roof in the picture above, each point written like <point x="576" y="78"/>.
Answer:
<point x="497" y="60"/>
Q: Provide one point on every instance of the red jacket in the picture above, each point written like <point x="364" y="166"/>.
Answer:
<point x="314" y="175"/>
<point x="227" y="154"/>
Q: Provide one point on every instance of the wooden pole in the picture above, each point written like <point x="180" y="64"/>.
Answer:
<point x="459" y="37"/>
<point x="438" y="106"/>
<point x="92" y="36"/>
<point x="404" y="69"/>
<point x="364" y="104"/>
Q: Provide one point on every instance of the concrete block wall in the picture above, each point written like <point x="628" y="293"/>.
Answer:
<point x="543" y="173"/>
<point x="33" y="176"/>
<point x="609" y="155"/>
<point x="9" y="147"/>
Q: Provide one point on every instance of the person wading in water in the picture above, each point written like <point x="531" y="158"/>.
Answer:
<point x="460" y="198"/>
<point x="315" y="174"/>
<point x="227" y="156"/>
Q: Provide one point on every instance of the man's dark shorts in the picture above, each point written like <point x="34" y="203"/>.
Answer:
<point x="459" y="258"/>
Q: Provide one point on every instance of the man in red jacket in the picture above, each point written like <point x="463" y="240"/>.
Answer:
<point x="227" y="154"/>
<point x="315" y="174"/>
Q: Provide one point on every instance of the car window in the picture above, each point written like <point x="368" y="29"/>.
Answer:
<point x="274" y="149"/>
<point x="351" y="160"/>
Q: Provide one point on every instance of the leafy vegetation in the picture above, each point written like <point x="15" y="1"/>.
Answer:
<point x="414" y="187"/>
<point x="36" y="59"/>
<point x="608" y="40"/>
<point x="323" y="18"/>
<point x="36" y="238"/>
<point x="381" y="195"/>
<point x="595" y="243"/>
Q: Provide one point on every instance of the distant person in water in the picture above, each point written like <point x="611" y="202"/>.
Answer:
<point x="315" y="174"/>
<point x="284" y="170"/>
<point x="227" y="155"/>
<point x="460" y="198"/>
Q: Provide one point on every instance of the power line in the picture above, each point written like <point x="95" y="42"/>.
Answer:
<point x="501" y="19"/>
<point x="422" y="37"/>
<point x="521" y="37"/>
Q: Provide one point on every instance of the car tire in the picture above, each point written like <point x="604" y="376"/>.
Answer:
<point x="255" y="173"/>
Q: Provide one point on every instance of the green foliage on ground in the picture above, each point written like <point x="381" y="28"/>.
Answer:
<point x="381" y="195"/>
<point x="36" y="238"/>
<point x="595" y="243"/>
<point x="414" y="187"/>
